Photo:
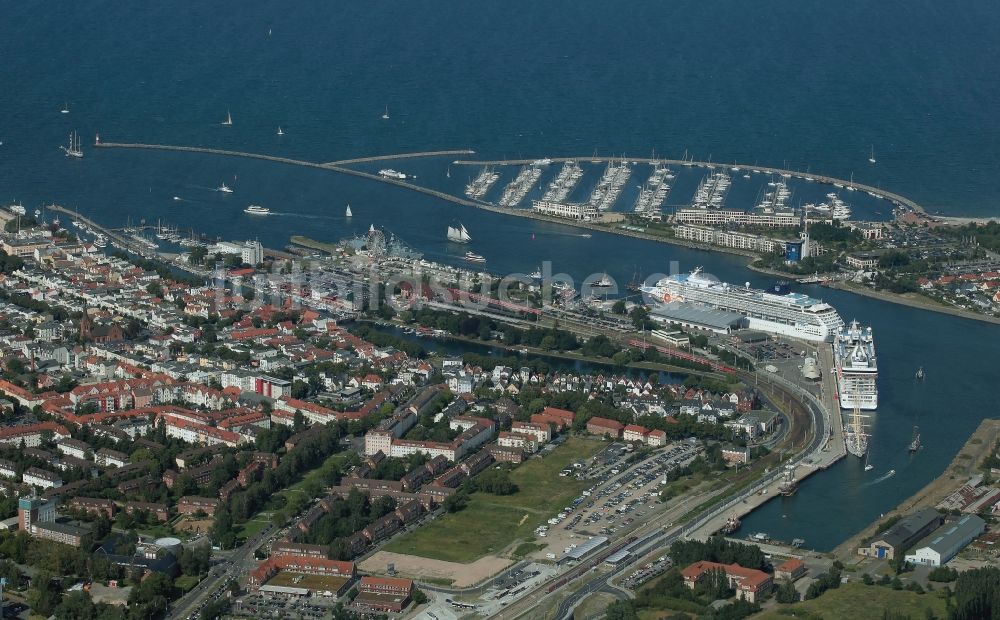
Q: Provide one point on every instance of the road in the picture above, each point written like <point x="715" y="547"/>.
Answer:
<point x="239" y="562"/>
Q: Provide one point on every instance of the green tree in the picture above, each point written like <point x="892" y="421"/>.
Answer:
<point x="786" y="593"/>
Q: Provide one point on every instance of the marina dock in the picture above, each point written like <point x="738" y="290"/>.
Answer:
<point x="524" y="213"/>
<point x="898" y="200"/>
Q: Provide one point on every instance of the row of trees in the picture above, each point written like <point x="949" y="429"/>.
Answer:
<point x="320" y="443"/>
<point x="718" y="549"/>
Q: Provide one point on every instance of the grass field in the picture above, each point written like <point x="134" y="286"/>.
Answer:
<point x="856" y="600"/>
<point x="489" y="524"/>
<point x="312" y="582"/>
<point x="253" y="527"/>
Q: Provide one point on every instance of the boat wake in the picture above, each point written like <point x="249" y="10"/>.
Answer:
<point x="882" y="478"/>
<point x="303" y="215"/>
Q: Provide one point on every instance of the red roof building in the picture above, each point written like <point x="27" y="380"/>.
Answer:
<point x="606" y="427"/>
<point x="748" y="582"/>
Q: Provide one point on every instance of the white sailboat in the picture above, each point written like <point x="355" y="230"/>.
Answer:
<point x="348" y="212"/>
<point x="280" y="132"/>
<point x="65" y="108"/>
<point x="868" y="466"/>
<point x="229" y="120"/>
<point x="871" y="157"/>
<point x="459" y="235"/>
<point x="385" y="115"/>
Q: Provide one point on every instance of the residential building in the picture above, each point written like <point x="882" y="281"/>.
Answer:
<point x="383" y="594"/>
<point x="750" y="584"/>
<point x="605" y="427"/>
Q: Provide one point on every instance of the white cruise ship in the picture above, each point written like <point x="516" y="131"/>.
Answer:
<point x="857" y="371"/>
<point x="793" y="314"/>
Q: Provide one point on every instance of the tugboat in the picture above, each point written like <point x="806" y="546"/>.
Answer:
<point x="915" y="442"/>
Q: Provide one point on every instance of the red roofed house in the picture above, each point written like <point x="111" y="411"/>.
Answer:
<point x="748" y="583"/>
<point x="567" y="416"/>
<point x="383" y="594"/>
<point x="302" y="564"/>
<point x="657" y="438"/>
<point x="606" y="427"/>
<point x="791" y="569"/>
<point x="634" y="432"/>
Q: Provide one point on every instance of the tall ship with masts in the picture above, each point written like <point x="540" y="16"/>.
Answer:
<point x="856" y="367"/>
<point x="855" y="434"/>
<point x="459" y="234"/>
<point x="74" y="149"/>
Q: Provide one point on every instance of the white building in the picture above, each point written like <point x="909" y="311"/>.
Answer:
<point x="944" y="546"/>
<point x="41" y="478"/>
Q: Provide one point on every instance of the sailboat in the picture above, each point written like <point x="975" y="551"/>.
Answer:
<point x="385" y="115"/>
<point x="74" y="149"/>
<point x="871" y="156"/>
<point x="459" y="235"/>
<point x="65" y="108"/>
<point x="229" y="119"/>
<point x="448" y="172"/>
<point x="868" y="466"/>
<point x="348" y="212"/>
<point x="280" y="133"/>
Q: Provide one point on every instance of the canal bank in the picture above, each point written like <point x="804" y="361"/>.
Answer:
<point x="962" y="467"/>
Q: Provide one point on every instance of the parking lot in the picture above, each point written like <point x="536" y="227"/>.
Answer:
<point x="622" y="497"/>
<point x="270" y="606"/>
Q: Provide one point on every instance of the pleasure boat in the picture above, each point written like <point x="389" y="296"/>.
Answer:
<point x="17" y="209"/>
<point x="472" y="257"/>
<point x="225" y="189"/>
<point x="257" y="210"/>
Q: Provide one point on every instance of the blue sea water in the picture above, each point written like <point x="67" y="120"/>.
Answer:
<point x="797" y="84"/>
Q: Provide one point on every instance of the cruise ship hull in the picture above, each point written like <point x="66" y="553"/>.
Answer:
<point x="793" y="315"/>
<point x="856" y="367"/>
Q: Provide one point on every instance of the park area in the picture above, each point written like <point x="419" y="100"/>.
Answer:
<point x="489" y="524"/>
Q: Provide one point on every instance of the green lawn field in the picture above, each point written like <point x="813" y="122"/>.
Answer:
<point x="856" y="600"/>
<point x="489" y="524"/>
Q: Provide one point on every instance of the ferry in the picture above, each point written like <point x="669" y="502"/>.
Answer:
<point x="17" y="209"/>
<point x="856" y="367"/>
<point x="472" y="257"/>
<point x="225" y="189"/>
<point x="389" y="173"/>
<point x="792" y="314"/>
<point x="257" y="210"/>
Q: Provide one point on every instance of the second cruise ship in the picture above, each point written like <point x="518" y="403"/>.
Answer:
<point x="792" y="314"/>
<point x="856" y="367"/>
